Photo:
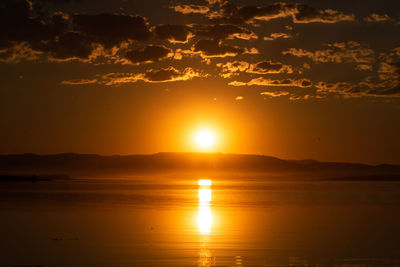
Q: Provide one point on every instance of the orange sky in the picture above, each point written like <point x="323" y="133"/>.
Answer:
<point x="311" y="79"/>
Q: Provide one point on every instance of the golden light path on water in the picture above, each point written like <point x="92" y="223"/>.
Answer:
<point x="204" y="217"/>
<point x="205" y="222"/>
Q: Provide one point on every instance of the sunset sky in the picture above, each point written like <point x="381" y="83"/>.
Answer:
<point x="295" y="80"/>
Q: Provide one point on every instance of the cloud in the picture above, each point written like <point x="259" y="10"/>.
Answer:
<point x="387" y="88"/>
<point x="364" y="67"/>
<point x="378" y="18"/>
<point x="63" y="37"/>
<point x="148" y="54"/>
<point x="389" y="71"/>
<point x="172" y="33"/>
<point x="112" y="29"/>
<point x="272" y="82"/>
<point x="79" y="82"/>
<point x="18" y="52"/>
<point x="189" y="9"/>
<point x="235" y="14"/>
<point x="229" y="69"/>
<point x="19" y="23"/>
<point x="337" y="53"/>
<point x="297" y="12"/>
<point x="268" y="67"/>
<point x="151" y="76"/>
<point x="214" y="48"/>
<point x="70" y="46"/>
<point x="170" y="74"/>
<point x="213" y="2"/>
<point x="385" y="82"/>
<point x="275" y="94"/>
<point x="58" y="1"/>
<point x="306" y="14"/>
<point x="222" y="31"/>
<point x="278" y="35"/>
<point x="234" y="66"/>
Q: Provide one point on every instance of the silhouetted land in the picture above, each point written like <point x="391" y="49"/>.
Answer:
<point x="192" y="163"/>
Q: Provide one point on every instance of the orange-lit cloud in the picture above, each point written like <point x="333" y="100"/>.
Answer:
<point x="337" y="52"/>
<point x="214" y="48"/>
<point x="18" y="52"/>
<point x="275" y="94"/>
<point x="222" y="31"/>
<point x="148" y="54"/>
<point x="378" y="18"/>
<point x="172" y="33"/>
<point x="268" y="67"/>
<point x="189" y="9"/>
<point x="306" y="14"/>
<point x="274" y="82"/>
<point x="297" y="12"/>
<point x="151" y="76"/>
<point x="278" y="35"/>
<point x="263" y="67"/>
<point x="224" y="35"/>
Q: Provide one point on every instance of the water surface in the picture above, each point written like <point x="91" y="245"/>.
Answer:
<point x="120" y="222"/>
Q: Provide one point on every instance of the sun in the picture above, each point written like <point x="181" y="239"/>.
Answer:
<point x="205" y="139"/>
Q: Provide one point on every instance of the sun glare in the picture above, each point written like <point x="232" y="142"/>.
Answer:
<point x="205" y="139"/>
<point x="204" y="182"/>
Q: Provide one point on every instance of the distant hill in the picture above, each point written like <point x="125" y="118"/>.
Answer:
<point x="194" y="163"/>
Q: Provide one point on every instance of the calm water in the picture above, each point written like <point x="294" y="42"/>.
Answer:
<point x="181" y="223"/>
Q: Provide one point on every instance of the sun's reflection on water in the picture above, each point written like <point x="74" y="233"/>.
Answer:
<point x="204" y="217"/>
<point x="205" y="222"/>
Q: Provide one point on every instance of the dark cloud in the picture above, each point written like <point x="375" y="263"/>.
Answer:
<point x="21" y="51"/>
<point x="297" y="12"/>
<point x="152" y="76"/>
<point x="18" y="23"/>
<point x="150" y="53"/>
<point x="337" y="52"/>
<point x="32" y="30"/>
<point x="69" y="46"/>
<point x="172" y="33"/>
<point x="367" y="87"/>
<point x="383" y="83"/>
<point x="112" y="29"/>
<point x="275" y="82"/>
<point x="170" y="75"/>
<point x="306" y="14"/>
<point x="214" y="48"/>
<point x="273" y="11"/>
<point x="162" y="75"/>
<point x="222" y="31"/>
<point x="229" y="69"/>
<point x="265" y="67"/>
<point x="80" y="81"/>
<point x="378" y="18"/>
<point x="364" y="67"/>
<point x="235" y="14"/>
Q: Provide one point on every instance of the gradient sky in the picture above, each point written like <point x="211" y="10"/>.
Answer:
<point x="311" y="79"/>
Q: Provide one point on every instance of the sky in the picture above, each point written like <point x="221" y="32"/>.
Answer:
<point x="295" y="80"/>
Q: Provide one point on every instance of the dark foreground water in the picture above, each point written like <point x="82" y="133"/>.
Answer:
<point x="241" y="223"/>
